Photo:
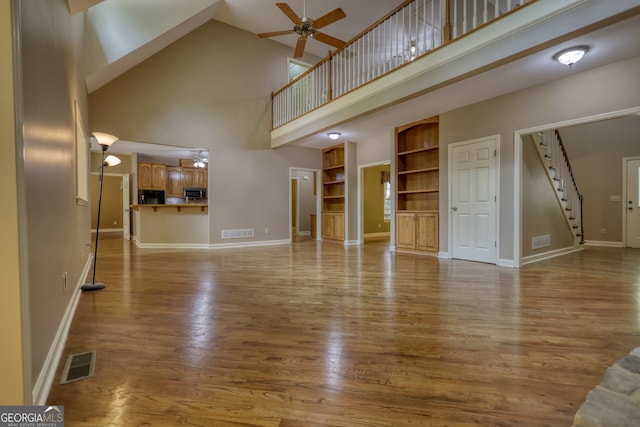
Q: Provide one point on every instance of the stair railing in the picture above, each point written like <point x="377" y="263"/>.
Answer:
<point x="564" y="180"/>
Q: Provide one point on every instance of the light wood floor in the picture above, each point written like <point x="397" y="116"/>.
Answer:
<point x="321" y="335"/>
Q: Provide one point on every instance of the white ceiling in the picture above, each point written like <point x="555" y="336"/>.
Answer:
<point x="608" y="44"/>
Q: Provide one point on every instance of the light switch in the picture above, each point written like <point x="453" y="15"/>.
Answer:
<point x="615" y="198"/>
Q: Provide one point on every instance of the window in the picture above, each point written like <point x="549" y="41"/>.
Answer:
<point x="386" y="181"/>
<point x="82" y="160"/>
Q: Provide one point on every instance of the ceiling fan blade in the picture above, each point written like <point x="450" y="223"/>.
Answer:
<point x="302" y="42"/>
<point x="330" y="40"/>
<point x="286" y="9"/>
<point x="329" y="18"/>
<point x="275" y="33"/>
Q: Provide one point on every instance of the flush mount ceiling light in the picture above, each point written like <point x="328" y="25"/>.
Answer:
<point x="334" y="135"/>
<point x="571" y="55"/>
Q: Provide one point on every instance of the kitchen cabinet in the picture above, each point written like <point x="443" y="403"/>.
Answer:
<point x="417" y="186"/>
<point x="175" y="187"/>
<point x="194" y="177"/>
<point x="151" y="176"/>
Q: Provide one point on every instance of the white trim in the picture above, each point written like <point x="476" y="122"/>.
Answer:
<point x="550" y="254"/>
<point x="44" y="381"/>
<point x="507" y="263"/>
<point x="108" y="230"/>
<point x="517" y="166"/>
<point x="171" y="245"/>
<point x="625" y="161"/>
<point x="249" y="244"/>
<point x="603" y="244"/>
<point x="496" y="140"/>
<point x="444" y="255"/>
<point x="304" y="233"/>
<point x="351" y="242"/>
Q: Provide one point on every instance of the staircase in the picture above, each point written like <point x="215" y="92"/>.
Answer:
<point x="553" y="154"/>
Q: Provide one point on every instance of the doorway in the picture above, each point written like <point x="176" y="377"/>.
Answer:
<point x="631" y="205"/>
<point x="303" y="204"/>
<point x="375" y="202"/>
<point x="473" y="199"/>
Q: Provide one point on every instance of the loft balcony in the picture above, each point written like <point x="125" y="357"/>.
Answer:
<point x="427" y="45"/>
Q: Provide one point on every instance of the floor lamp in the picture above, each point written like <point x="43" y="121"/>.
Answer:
<point x="105" y="140"/>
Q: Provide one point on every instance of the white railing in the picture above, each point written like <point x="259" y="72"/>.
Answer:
<point x="412" y="30"/>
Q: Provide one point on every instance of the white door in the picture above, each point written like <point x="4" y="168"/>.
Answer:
<point x="473" y="200"/>
<point x="632" y="203"/>
<point x="126" y="208"/>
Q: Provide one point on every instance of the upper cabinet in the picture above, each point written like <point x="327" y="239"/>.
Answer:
<point x="175" y="187"/>
<point x="417" y="186"/>
<point x="152" y="176"/>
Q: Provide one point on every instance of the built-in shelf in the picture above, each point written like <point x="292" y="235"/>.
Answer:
<point x="417" y="186"/>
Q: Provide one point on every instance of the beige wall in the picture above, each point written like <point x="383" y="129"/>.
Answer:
<point x="592" y="92"/>
<point x="541" y="213"/>
<point x="15" y="389"/>
<point x="212" y="89"/>
<point x="58" y="228"/>
<point x="111" y="210"/>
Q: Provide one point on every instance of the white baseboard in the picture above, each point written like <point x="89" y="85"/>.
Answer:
<point x="603" y="244"/>
<point x="171" y="245"/>
<point x="249" y="244"/>
<point x="444" y="255"/>
<point x="351" y="242"/>
<point x="108" y="230"/>
<point x="46" y="377"/>
<point x="304" y="233"/>
<point x="550" y="254"/>
<point x="506" y="263"/>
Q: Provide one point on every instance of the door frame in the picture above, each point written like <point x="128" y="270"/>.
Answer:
<point x="518" y="165"/>
<point x="126" y="206"/>
<point x="450" y="148"/>
<point x="317" y="173"/>
<point x="625" y="160"/>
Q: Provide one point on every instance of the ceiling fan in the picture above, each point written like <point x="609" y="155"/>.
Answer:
<point x="306" y="27"/>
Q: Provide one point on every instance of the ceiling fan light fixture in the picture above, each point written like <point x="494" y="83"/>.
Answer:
<point x="571" y="55"/>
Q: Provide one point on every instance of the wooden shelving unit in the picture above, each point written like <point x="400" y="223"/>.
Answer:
<point x="417" y="186"/>
<point x="333" y="192"/>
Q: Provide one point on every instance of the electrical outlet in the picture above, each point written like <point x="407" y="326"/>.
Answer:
<point x="115" y="222"/>
<point x="603" y="231"/>
<point x="266" y="230"/>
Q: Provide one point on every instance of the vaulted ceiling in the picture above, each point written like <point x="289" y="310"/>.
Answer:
<point x="123" y="33"/>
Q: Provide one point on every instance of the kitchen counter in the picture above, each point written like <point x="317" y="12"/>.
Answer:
<point x="177" y="206"/>
<point x="183" y="225"/>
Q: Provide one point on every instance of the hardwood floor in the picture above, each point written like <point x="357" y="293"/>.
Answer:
<point x="322" y="335"/>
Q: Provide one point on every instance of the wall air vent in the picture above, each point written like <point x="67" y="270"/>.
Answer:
<point x="540" y="241"/>
<point x="238" y="234"/>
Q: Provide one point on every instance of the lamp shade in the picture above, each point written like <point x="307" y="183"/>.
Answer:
<point x="112" y="160"/>
<point x="105" y="138"/>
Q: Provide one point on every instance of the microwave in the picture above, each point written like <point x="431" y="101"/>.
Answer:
<point x="195" y="193"/>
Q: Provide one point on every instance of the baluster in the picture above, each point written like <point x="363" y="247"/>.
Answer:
<point x="455" y="19"/>
<point x="485" y="13"/>
<point x="464" y="17"/>
<point x="496" y="9"/>
<point x="508" y="5"/>
<point x="475" y="13"/>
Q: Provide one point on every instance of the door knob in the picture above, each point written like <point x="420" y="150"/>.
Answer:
<point x="455" y="209"/>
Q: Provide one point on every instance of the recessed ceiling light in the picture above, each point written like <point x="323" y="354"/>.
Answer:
<point x="571" y="55"/>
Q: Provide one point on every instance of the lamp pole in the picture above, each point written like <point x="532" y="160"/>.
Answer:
<point x="105" y="141"/>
